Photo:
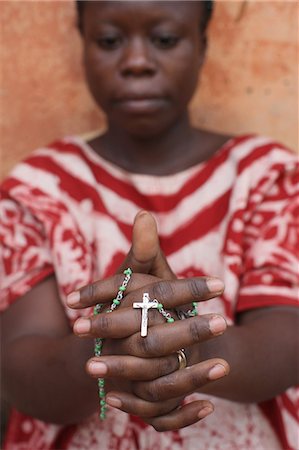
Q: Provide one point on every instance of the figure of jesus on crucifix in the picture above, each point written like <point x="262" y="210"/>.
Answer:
<point x="145" y="306"/>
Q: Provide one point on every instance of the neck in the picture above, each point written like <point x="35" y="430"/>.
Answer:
<point x="163" y="154"/>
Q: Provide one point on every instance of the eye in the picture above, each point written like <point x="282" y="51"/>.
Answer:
<point x="109" y="42"/>
<point x="165" y="41"/>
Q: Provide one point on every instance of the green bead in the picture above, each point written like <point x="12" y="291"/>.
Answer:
<point x="102" y="394"/>
<point x="160" y="306"/>
<point x="194" y="304"/>
<point x="128" y="271"/>
<point x="103" y="402"/>
<point x="170" y="320"/>
<point x="101" y="382"/>
<point x="122" y="288"/>
<point x="102" y="416"/>
<point x="116" y="302"/>
<point x="194" y="312"/>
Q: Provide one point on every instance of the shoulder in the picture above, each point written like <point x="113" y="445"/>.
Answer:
<point x="253" y="148"/>
<point x="253" y="160"/>
<point x="46" y="168"/>
<point x="54" y="154"/>
<point x="264" y="176"/>
<point x="45" y="182"/>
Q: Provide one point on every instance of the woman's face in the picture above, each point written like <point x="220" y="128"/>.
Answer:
<point x="142" y="60"/>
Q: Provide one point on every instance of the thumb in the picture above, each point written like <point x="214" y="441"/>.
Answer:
<point x="145" y="255"/>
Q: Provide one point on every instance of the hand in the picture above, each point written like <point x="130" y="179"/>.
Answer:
<point x="152" y="360"/>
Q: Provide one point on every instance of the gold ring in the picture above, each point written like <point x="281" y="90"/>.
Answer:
<point x="182" y="359"/>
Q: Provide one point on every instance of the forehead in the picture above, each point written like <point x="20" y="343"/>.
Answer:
<point x="143" y="13"/>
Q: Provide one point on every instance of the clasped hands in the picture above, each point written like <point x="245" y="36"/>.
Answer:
<point x="142" y="376"/>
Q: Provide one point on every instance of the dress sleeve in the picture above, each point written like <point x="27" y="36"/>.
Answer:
<point x="271" y="243"/>
<point x="25" y="258"/>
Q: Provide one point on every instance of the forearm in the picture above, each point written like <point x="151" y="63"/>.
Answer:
<point x="263" y="357"/>
<point x="45" y="377"/>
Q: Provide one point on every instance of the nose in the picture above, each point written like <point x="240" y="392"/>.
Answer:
<point x="137" y="59"/>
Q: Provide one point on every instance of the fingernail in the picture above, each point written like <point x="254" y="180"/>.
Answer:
<point x="204" y="412"/>
<point x="82" y="326"/>
<point x="97" y="368"/>
<point x="73" y="298"/>
<point x="218" y="371"/>
<point x="215" y="285"/>
<point x="217" y="325"/>
<point x="114" y="401"/>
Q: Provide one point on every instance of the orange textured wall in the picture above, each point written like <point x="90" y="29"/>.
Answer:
<point x="249" y="83"/>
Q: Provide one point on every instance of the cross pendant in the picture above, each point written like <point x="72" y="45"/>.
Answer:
<point x="145" y="306"/>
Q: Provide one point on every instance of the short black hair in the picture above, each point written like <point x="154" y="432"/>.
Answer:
<point x="207" y="13"/>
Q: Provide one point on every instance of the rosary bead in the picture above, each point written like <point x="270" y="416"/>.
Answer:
<point x="99" y="342"/>
<point x="170" y="320"/>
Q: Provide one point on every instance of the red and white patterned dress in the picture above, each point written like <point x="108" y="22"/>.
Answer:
<point x="66" y="210"/>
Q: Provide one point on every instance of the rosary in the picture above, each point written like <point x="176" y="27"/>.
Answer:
<point x="145" y="305"/>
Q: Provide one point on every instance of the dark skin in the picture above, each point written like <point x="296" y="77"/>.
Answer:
<point x="156" y="60"/>
<point x="258" y="348"/>
<point x="144" y="89"/>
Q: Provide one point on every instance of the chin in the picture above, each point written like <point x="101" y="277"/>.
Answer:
<point x="145" y="127"/>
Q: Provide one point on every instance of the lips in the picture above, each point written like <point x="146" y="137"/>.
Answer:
<point x="140" y="103"/>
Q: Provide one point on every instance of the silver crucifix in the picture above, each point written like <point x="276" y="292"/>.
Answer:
<point x="145" y="306"/>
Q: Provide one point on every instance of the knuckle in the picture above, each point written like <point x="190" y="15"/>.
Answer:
<point x="147" y="391"/>
<point x="196" y="379"/>
<point x="102" y="322"/>
<point x="166" y="365"/>
<point x="90" y="292"/>
<point x="120" y="368"/>
<point x="148" y="346"/>
<point x="197" y="288"/>
<point x="168" y="387"/>
<point x="162" y="290"/>
<point x="198" y="330"/>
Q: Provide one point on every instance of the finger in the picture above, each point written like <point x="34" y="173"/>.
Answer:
<point x="161" y="339"/>
<point x="121" y="324"/>
<point x="145" y="255"/>
<point x="171" y="293"/>
<point x="183" y="417"/>
<point x="103" y="291"/>
<point x="174" y="293"/>
<point x="182" y="382"/>
<point x="168" y="338"/>
<point x="154" y="414"/>
<point x="131" y="404"/>
<point x="131" y="367"/>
